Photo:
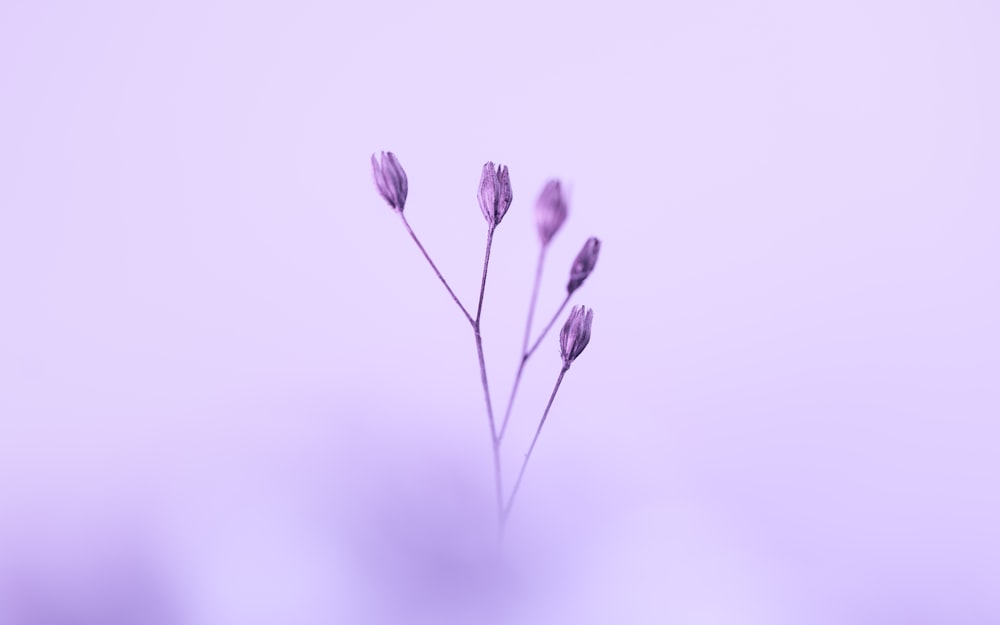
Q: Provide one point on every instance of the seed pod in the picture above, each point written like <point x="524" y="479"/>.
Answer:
<point x="550" y="211"/>
<point x="575" y="333"/>
<point x="584" y="264"/>
<point x="495" y="193"/>
<point x="390" y="179"/>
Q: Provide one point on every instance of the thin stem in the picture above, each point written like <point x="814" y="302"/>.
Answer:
<point x="524" y="345"/>
<point x="548" y="327"/>
<point x="524" y="361"/>
<point x="495" y="442"/>
<point x="434" y="267"/>
<point x="534" y="300"/>
<point x="486" y="265"/>
<point x="527" y="456"/>
<point x="510" y="400"/>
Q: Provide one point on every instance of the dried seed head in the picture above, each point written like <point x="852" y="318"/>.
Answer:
<point x="550" y="211"/>
<point x="390" y="180"/>
<point x="584" y="263"/>
<point x="495" y="194"/>
<point x="575" y="333"/>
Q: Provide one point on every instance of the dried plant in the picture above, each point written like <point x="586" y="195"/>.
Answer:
<point x="551" y="210"/>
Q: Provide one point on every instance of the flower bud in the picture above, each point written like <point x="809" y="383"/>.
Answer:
<point x="494" y="193"/>
<point x="584" y="264"/>
<point x="550" y="211"/>
<point x="575" y="334"/>
<point x="390" y="180"/>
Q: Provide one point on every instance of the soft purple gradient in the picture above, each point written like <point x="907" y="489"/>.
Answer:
<point x="232" y="392"/>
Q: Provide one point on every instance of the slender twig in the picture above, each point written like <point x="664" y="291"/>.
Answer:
<point x="513" y="393"/>
<point x="524" y="345"/>
<point x="495" y="444"/>
<point x="476" y="325"/>
<point x="486" y="265"/>
<point x="434" y="267"/>
<point x="525" y="355"/>
<point x="527" y="456"/>
<point x="548" y="327"/>
<point x="534" y="299"/>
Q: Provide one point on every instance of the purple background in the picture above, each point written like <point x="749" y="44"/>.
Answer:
<point x="231" y="392"/>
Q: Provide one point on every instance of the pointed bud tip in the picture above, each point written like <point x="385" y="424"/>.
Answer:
<point x="550" y="211"/>
<point x="584" y="264"/>
<point x="495" y="195"/>
<point x="390" y="180"/>
<point x="575" y="334"/>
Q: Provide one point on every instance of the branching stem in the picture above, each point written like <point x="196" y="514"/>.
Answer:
<point x="548" y="327"/>
<point x="494" y="440"/>
<point x="434" y="267"/>
<point x="527" y="456"/>
<point x="526" y="353"/>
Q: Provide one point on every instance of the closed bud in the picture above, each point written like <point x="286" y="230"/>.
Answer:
<point x="575" y="333"/>
<point x="390" y="180"/>
<point x="550" y="211"/>
<point x="495" y="194"/>
<point x="584" y="264"/>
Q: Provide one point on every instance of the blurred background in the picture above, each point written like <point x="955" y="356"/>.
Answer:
<point x="232" y="392"/>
